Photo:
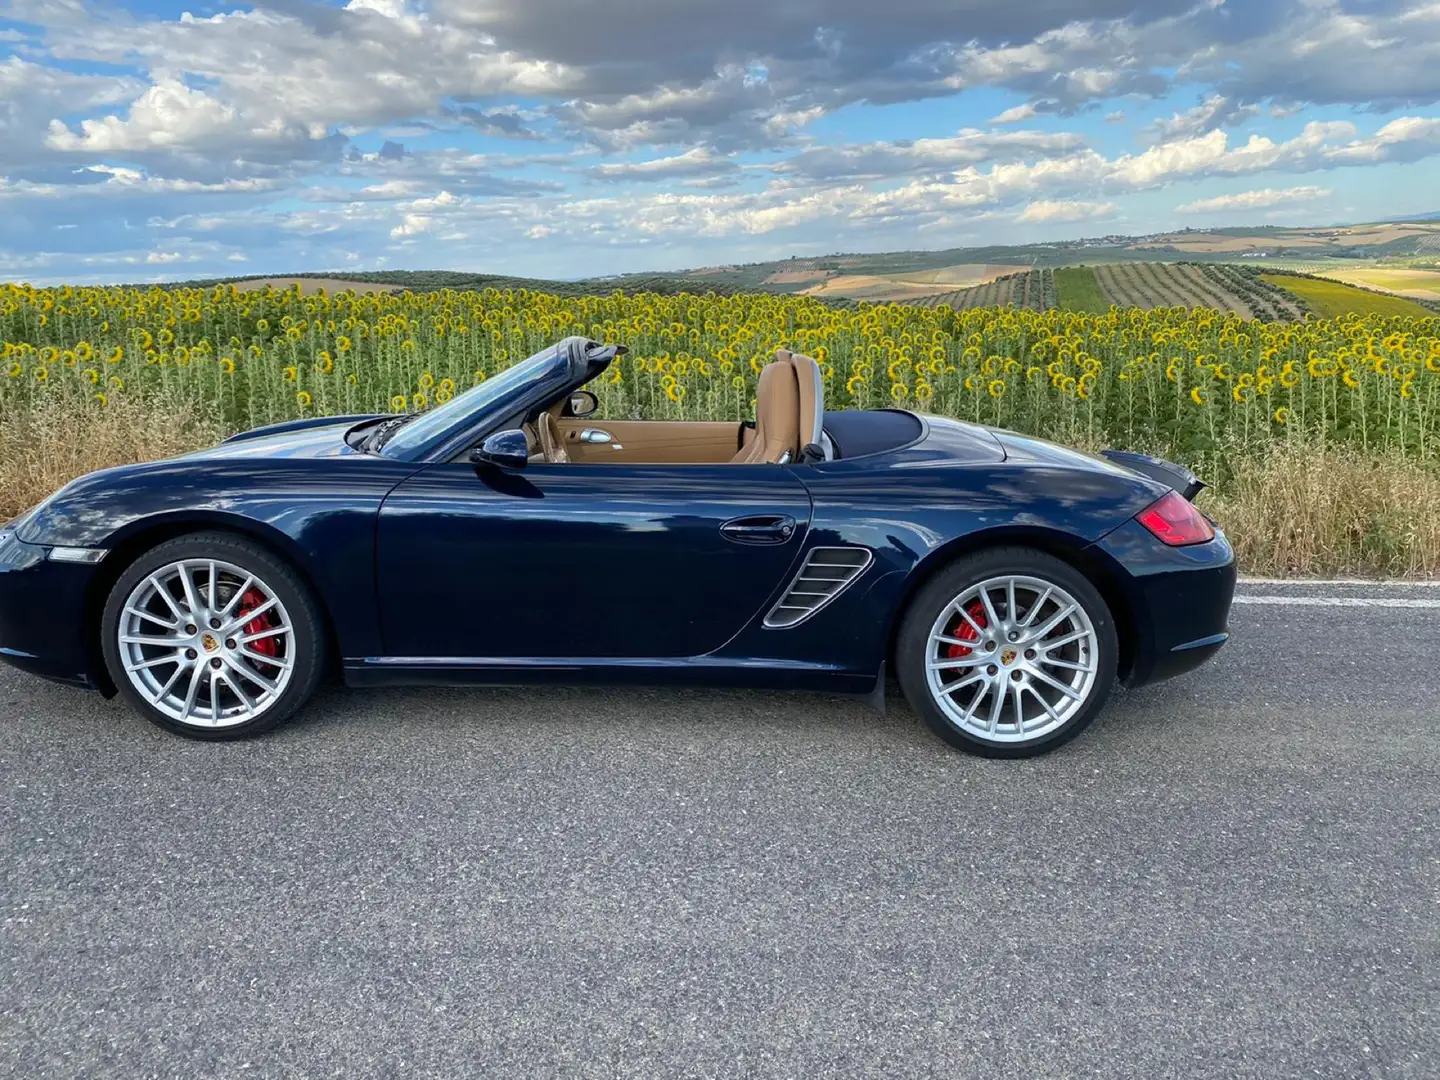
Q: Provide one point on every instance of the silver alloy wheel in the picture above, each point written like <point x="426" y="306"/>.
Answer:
<point x="1012" y="659"/>
<point x="207" y="643"/>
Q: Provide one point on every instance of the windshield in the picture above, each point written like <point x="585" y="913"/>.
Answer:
<point x="426" y="426"/>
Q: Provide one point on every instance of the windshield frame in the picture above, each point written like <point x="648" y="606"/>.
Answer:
<point x="503" y="394"/>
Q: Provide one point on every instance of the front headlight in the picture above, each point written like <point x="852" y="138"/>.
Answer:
<point x="25" y="520"/>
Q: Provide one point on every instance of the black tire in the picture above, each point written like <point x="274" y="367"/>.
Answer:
<point x="277" y="575"/>
<point x="925" y="609"/>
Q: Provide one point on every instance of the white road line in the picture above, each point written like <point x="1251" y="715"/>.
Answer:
<point x="1337" y="601"/>
<point x="1392" y="583"/>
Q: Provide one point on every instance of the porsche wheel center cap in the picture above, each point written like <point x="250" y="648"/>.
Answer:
<point x="1007" y="656"/>
<point x="209" y="644"/>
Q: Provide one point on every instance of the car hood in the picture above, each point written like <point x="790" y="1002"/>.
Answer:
<point x="317" y="438"/>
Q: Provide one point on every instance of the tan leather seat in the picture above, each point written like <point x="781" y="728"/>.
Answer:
<point x="812" y="397"/>
<point x="550" y="442"/>
<point x="777" y="418"/>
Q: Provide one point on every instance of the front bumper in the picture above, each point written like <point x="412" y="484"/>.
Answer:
<point x="44" y="619"/>
<point x="1178" y="598"/>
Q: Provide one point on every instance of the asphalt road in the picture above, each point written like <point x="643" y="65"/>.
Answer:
<point x="1233" y="875"/>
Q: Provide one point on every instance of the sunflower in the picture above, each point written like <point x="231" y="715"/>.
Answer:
<point x="303" y="399"/>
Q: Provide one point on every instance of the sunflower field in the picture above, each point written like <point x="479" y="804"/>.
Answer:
<point x="1188" y="383"/>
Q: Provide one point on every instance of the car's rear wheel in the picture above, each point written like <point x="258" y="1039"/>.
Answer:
<point x="1008" y="652"/>
<point x="212" y="636"/>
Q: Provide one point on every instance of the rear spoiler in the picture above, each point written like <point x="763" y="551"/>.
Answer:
<point x="1167" y="472"/>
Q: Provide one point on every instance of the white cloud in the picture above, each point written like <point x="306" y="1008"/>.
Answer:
<point x="1058" y="210"/>
<point x="702" y="161"/>
<point x="1216" y="111"/>
<point x="166" y="115"/>
<point x="1018" y="114"/>
<point x="1263" y="199"/>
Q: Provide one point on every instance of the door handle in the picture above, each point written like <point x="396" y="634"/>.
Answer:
<point x="768" y="529"/>
<point x="596" y="435"/>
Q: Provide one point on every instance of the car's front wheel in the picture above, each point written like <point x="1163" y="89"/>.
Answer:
<point x="212" y="636"/>
<point x="1007" y="653"/>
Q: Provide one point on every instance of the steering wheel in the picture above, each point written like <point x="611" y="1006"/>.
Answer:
<point x="551" y="444"/>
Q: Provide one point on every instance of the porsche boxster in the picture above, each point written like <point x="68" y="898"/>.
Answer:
<point x="515" y="535"/>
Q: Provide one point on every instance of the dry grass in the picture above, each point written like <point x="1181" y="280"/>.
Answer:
<point x="1293" y="510"/>
<point x="1302" y="511"/>
<point x="61" y="439"/>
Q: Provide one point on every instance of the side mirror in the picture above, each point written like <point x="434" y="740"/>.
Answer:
<point x="581" y="403"/>
<point x="504" y="450"/>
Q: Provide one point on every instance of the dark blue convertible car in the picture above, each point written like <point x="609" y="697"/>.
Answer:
<point x="514" y="535"/>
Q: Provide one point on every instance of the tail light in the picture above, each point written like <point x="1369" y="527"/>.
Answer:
<point x="1176" y="522"/>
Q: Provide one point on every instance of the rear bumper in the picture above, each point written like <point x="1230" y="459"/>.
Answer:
<point x="1178" y="598"/>
<point x="43" y="614"/>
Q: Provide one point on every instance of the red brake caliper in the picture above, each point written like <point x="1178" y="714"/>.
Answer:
<point x="258" y="625"/>
<point x="966" y="632"/>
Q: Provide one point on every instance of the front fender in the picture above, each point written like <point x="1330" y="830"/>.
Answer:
<point x="320" y="514"/>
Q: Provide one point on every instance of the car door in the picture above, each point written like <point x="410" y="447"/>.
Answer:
<point x="583" y="561"/>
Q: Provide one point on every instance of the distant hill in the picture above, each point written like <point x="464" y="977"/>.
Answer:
<point x="914" y="276"/>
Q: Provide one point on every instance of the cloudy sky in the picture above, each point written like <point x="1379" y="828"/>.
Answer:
<point x="148" y="139"/>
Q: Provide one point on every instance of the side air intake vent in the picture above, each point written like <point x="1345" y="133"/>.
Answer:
<point x="828" y="572"/>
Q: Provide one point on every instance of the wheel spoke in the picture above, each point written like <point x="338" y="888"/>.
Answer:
<point x="150" y="639"/>
<point x="974" y="705"/>
<point x="196" y="675"/>
<point x="150" y="616"/>
<point x="1036" y="607"/>
<point x="1015" y="700"/>
<point x="1069" y="665"/>
<point x="1010" y="600"/>
<point x="238" y="596"/>
<point x="170" y="682"/>
<point x="189" y="586"/>
<point x="1055" y="620"/>
<point x="1048" y="646"/>
<point x="947" y="640"/>
<point x="997" y="706"/>
<point x="989" y="608"/>
<point x="951" y="665"/>
<point x="1043" y="701"/>
<point x="214" y="696"/>
<point x="246" y="639"/>
<point x="281" y="662"/>
<point x="978" y="677"/>
<point x="246" y="672"/>
<point x="249" y="616"/>
<point x="245" y="699"/>
<point x="145" y="665"/>
<point x="960" y="610"/>
<point x="164" y="593"/>
<point x="1064" y="688"/>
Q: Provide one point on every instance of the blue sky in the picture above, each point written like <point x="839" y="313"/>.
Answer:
<point x="151" y="141"/>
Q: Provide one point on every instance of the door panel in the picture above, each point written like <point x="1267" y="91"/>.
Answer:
<point x="659" y="442"/>
<point x="575" y="561"/>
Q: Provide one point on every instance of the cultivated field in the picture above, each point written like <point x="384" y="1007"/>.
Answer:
<point x="1415" y="283"/>
<point x="1032" y="289"/>
<point x="1334" y="298"/>
<point x="94" y="377"/>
